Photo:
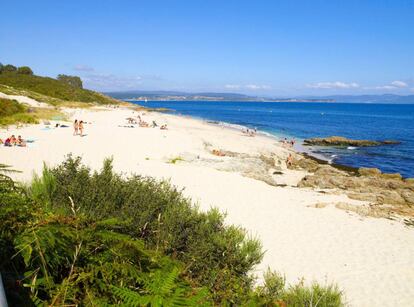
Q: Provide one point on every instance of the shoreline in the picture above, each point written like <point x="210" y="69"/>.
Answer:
<point x="306" y="232"/>
<point x="302" y="149"/>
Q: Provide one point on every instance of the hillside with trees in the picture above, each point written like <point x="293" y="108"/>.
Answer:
<point x="64" y="88"/>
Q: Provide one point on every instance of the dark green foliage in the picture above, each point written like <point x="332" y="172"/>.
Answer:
<point x="215" y="256"/>
<point x="25" y="70"/>
<point x="275" y="292"/>
<point x="59" y="259"/>
<point x="8" y="68"/>
<point x="52" y="88"/>
<point x="82" y="238"/>
<point x="9" y="107"/>
<point x="12" y="112"/>
<point x="73" y="81"/>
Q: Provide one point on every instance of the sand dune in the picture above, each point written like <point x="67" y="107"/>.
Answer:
<point x="370" y="259"/>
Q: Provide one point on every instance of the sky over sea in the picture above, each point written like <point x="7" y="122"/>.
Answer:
<point x="265" y="48"/>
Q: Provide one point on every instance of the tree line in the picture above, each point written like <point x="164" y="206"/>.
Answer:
<point x="73" y="81"/>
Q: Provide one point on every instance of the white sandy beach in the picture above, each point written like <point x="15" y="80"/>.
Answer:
<point x="371" y="259"/>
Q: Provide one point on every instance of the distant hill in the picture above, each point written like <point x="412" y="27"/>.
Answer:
<point x="52" y="88"/>
<point x="162" y="95"/>
<point x="385" y="98"/>
<point x="184" y="96"/>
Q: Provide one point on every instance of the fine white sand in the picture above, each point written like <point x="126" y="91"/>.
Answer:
<point x="370" y="259"/>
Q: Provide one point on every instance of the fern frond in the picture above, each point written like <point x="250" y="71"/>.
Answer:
<point x="129" y="297"/>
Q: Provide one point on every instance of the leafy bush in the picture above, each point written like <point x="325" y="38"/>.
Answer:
<point x="8" y="68"/>
<point x="9" y="107"/>
<point x="215" y="256"/>
<point x="73" y="81"/>
<point x="12" y="112"/>
<point x="25" y="70"/>
<point x="74" y="237"/>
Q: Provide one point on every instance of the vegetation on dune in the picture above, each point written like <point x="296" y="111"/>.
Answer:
<point x="95" y="238"/>
<point x="13" y="112"/>
<point x="64" y="88"/>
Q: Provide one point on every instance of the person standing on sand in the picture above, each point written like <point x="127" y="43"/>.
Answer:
<point x="75" y="127"/>
<point x="80" y="128"/>
<point x="289" y="160"/>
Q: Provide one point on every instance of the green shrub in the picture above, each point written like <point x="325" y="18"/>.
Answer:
<point x="9" y="107"/>
<point x="8" y="68"/>
<point x="76" y="237"/>
<point x="25" y="70"/>
<point x="12" y="112"/>
<point x="73" y="81"/>
<point x="214" y="254"/>
<point x="42" y="188"/>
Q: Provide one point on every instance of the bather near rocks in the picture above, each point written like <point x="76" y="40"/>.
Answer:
<point x="342" y="141"/>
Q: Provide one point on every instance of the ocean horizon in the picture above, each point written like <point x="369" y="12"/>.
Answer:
<point x="371" y="121"/>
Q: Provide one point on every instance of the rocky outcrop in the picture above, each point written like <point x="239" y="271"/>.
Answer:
<point x="369" y="185"/>
<point x="341" y="141"/>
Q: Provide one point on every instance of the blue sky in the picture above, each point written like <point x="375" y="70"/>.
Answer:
<point x="280" y="48"/>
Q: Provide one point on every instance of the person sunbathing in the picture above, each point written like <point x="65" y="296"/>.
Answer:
<point x="7" y="142"/>
<point x="143" y="124"/>
<point x="20" y="142"/>
<point x="164" y="127"/>
<point x="13" y="140"/>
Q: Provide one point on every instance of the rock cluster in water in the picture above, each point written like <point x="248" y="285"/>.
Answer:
<point x="341" y="141"/>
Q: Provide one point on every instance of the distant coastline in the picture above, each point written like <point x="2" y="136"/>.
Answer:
<point x="225" y="97"/>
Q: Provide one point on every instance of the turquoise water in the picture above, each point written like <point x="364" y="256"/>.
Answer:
<point x="305" y="120"/>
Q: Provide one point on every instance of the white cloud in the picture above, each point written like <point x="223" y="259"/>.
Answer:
<point x="257" y="87"/>
<point x="81" y="67"/>
<point x="399" y="84"/>
<point x="394" y="85"/>
<point x="333" y="85"/>
<point x="385" y="87"/>
<point x="232" y="86"/>
<point x="254" y="87"/>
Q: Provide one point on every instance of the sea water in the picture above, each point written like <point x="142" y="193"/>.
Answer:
<point x="308" y="120"/>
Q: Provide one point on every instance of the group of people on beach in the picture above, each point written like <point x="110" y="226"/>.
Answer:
<point x="78" y="127"/>
<point x="287" y="142"/>
<point x="250" y="132"/>
<point x="13" y="141"/>
<point x="143" y="124"/>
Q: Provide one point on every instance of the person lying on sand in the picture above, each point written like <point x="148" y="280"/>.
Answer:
<point x="218" y="152"/>
<point x="164" y="127"/>
<point x="143" y="124"/>
<point x="20" y="142"/>
<point x="13" y="140"/>
<point x="7" y="142"/>
<point x="131" y="120"/>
